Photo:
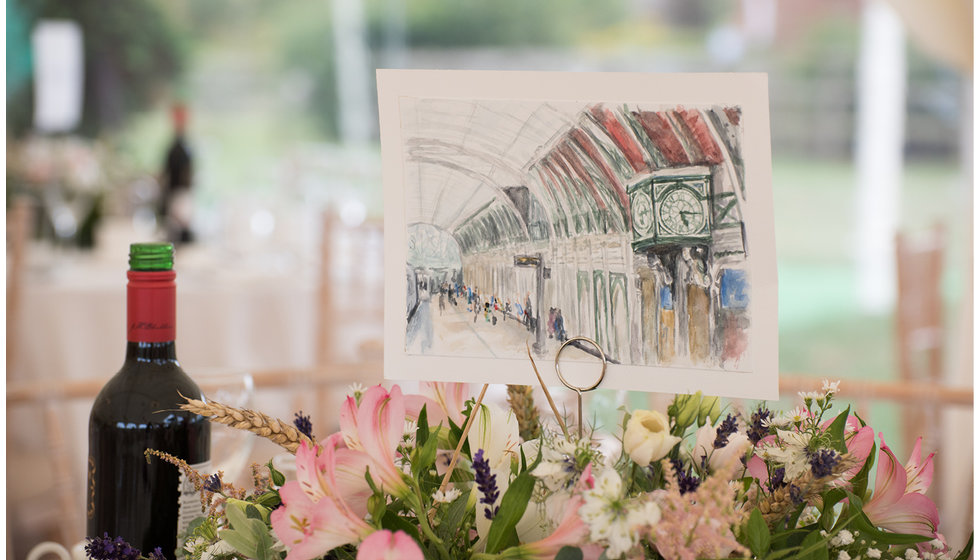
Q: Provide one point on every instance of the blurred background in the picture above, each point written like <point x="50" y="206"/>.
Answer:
<point x="274" y="106"/>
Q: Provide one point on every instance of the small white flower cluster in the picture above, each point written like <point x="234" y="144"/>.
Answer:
<point x="790" y="450"/>
<point x="445" y="497"/>
<point x="614" y="519"/>
<point x="557" y="469"/>
<point x="845" y="538"/>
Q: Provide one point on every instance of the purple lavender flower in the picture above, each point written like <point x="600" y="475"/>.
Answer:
<point x="486" y="483"/>
<point x="213" y="483"/>
<point x="107" y="548"/>
<point x="727" y="428"/>
<point x="777" y="479"/>
<point x="823" y="461"/>
<point x="757" y="428"/>
<point x="686" y="481"/>
<point x="157" y="554"/>
<point x="303" y="424"/>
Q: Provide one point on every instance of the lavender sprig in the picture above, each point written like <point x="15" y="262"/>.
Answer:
<point x="486" y="483"/>
<point x="303" y="424"/>
<point x="108" y="548"/>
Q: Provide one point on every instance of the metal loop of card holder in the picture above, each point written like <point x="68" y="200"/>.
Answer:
<point x="578" y="390"/>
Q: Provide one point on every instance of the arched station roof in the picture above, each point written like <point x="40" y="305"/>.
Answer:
<point x="465" y="158"/>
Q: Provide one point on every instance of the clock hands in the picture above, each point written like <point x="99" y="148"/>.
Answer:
<point x="684" y="214"/>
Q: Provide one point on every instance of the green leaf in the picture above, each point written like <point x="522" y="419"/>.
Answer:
<point x="836" y="431"/>
<point x="455" y="514"/>
<point x="270" y="499"/>
<point x="829" y="513"/>
<point x="859" y="484"/>
<point x="756" y="534"/>
<point x="252" y="512"/>
<point x="394" y="522"/>
<point x="278" y="479"/>
<point x="424" y="457"/>
<point x="814" y="547"/>
<point x="422" y="431"/>
<point x="569" y="553"/>
<point x="240" y="542"/>
<point x="512" y="507"/>
<point x="967" y="550"/>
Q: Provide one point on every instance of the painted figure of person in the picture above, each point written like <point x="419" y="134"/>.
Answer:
<point x="559" y="326"/>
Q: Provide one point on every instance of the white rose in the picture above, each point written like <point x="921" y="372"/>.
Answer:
<point x="647" y="437"/>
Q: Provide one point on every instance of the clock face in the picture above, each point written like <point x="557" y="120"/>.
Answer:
<point x="642" y="210"/>
<point x="681" y="213"/>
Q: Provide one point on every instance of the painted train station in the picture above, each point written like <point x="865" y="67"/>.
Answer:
<point x="532" y="222"/>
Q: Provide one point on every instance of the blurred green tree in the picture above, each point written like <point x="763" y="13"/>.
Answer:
<point x="133" y="55"/>
<point x="501" y="24"/>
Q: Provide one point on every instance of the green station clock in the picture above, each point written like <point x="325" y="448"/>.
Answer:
<point x="641" y="208"/>
<point x="670" y="210"/>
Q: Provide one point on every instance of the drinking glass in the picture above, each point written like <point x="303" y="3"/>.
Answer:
<point x="230" y="447"/>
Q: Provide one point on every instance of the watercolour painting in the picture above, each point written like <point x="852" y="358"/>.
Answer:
<point x="530" y="208"/>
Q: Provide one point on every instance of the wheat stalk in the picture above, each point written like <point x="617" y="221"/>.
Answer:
<point x="274" y="429"/>
<point x="521" y="401"/>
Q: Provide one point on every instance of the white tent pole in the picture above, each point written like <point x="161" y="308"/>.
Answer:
<point x="880" y="138"/>
<point x="352" y="65"/>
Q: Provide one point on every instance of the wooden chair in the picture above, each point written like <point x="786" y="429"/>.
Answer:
<point x="49" y="498"/>
<point x="919" y="329"/>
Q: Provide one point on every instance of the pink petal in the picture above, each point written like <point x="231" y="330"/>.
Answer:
<point x="348" y="422"/>
<point x="570" y="532"/>
<point x="310" y="529"/>
<point x="380" y="423"/>
<point x="435" y="413"/>
<point x="757" y="468"/>
<point x="919" y="472"/>
<point x="890" y="478"/>
<point x="385" y="545"/>
<point x="859" y="446"/>
<point x="309" y="465"/>
<point x="913" y="513"/>
<point x="451" y="396"/>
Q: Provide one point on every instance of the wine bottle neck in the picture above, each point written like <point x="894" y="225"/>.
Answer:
<point x="151" y="306"/>
<point x="151" y="352"/>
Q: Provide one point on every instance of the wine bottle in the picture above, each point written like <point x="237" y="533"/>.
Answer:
<point x="147" y="502"/>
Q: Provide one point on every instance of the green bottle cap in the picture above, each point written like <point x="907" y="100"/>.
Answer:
<point x="151" y="256"/>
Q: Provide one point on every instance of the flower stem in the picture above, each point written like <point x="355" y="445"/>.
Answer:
<point x="423" y="520"/>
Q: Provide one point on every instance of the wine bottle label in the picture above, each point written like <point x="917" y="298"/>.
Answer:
<point x="190" y="507"/>
<point x="150" y="306"/>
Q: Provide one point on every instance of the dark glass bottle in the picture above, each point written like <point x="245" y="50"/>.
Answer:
<point x="146" y="502"/>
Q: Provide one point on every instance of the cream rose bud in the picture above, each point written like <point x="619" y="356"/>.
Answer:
<point x="647" y="437"/>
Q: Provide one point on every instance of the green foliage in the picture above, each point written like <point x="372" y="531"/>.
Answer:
<point x="249" y="535"/>
<point x="502" y="23"/>
<point x="755" y="535"/>
<point x="569" y="553"/>
<point x="132" y="51"/>
<point x="502" y="531"/>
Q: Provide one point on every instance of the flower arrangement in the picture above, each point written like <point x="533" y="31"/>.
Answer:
<point x="443" y="476"/>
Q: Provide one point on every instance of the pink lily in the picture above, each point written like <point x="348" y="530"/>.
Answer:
<point x="335" y="472"/>
<point x="385" y="545"/>
<point x="375" y="428"/>
<point x="898" y="503"/>
<point x="443" y="401"/>
<point x="310" y="529"/>
<point x="571" y="530"/>
<point x="919" y="471"/>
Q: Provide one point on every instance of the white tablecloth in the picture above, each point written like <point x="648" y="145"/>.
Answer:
<point x="233" y="312"/>
<point x="230" y="313"/>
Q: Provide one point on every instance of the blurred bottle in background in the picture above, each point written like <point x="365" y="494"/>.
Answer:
<point x="176" y="204"/>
